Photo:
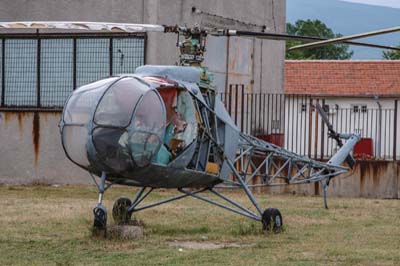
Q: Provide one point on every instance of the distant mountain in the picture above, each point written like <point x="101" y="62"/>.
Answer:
<point x="349" y="18"/>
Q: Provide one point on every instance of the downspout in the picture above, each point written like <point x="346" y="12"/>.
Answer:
<point x="378" y="138"/>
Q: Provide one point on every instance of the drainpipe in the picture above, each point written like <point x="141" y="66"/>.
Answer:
<point x="379" y="137"/>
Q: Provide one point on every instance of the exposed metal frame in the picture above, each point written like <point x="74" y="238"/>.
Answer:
<point x="235" y="207"/>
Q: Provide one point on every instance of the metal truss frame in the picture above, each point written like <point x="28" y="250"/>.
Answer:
<point x="232" y="205"/>
<point x="275" y="166"/>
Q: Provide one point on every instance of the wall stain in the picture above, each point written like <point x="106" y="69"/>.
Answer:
<point x="20" y="117"/>
<point x="376" y="170"/>
<point x="45" y="118"/>
<point x="36" y="135"/>
<point x="46" y="115"/>
<point x="20" y="125"/>
<point x="398" y="179"/>
<point x="316" y="188"/>
<point x="7" y="117"/>
<point x="363" y="174"/>
<point x="372" y="170"/>
<point x="11" y="117"/>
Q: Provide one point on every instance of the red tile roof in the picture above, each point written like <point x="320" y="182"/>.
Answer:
<point x="327" y="77"/>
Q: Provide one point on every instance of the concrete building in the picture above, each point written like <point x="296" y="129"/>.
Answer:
<point x="30" y="143"/>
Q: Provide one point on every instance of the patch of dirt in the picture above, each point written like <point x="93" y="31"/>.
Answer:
<point x="205" y="245"/>
<point x="124" y="231"/>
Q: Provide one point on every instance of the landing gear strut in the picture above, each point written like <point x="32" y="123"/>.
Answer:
<point x="100" y="212"/>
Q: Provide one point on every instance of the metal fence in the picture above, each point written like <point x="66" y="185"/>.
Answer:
<point x="41" y="70"/>
<point x="255" y="113"/>
<point x="292" y="121"/>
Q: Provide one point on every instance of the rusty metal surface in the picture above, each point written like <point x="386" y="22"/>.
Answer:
<point x="36" y="135"/>
<point x="369" y="179"/>
<point x="396" y="108"/>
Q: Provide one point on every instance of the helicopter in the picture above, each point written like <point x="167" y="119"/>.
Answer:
<point x="165" y="127"/>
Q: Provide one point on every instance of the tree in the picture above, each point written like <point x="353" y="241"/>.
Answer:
<point x="391" y="54"/>
<point x="315" y="28"/>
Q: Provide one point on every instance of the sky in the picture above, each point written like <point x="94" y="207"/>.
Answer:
<point x="388" y="3"/>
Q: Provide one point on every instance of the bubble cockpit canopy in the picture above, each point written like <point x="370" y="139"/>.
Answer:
<point x="114" y="124"/>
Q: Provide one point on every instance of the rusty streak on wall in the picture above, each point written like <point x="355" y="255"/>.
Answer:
<point x="31" y="150"/>
<point x="36" y="135"/>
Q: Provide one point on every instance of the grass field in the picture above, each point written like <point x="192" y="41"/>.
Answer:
<point x="51" y="226"/>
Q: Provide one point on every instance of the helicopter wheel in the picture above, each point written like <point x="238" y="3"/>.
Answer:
<point x="272" y="220"/>
<point x="120" y="212"/>
<point x="100" y="219"/>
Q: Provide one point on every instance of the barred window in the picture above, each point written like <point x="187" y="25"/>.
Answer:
<point x="92" y="60"/>
<point x="20" y="72"/>
<point x="56" y="71"/>
<point x="41" y="71"/>
<point x="124" y="59"/>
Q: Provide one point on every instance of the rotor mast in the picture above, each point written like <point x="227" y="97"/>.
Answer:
<point x="192" y="45"/>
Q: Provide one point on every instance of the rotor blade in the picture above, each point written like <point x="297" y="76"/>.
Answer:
<point x="371" y="45"/>
<point x="82" y="25"/>
<point x="288" y="37"/>
<point x="264" y="35"/>
<point x="346" y="38"/>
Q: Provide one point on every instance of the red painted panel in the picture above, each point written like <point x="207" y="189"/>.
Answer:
<point x="275" y="138"/>
<point x="364" y="149"/>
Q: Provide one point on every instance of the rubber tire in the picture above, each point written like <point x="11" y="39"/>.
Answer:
<point x="120" y="211"/>
<point x="272" y="220"/>
<point x="100" y="217"/>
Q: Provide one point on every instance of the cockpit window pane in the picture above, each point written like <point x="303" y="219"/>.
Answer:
<point x="149" y="115"/>
<point x="148" y="124"/>
<point x="110" y="144"/>
<point x="117" y="105"/>
<point x="81" y="104"/>
<point x="74" y="140"/>
<point x="144" y="147"/>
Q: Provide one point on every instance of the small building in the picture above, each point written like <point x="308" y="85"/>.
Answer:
<point x="358" y="96"/>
